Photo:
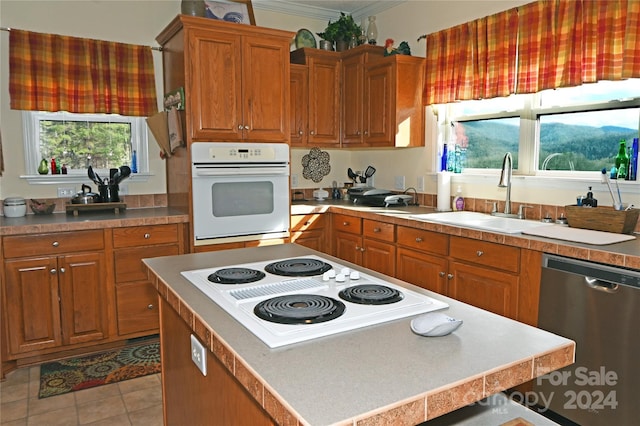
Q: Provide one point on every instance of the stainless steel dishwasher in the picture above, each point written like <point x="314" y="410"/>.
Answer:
<point x="598" y="307"/>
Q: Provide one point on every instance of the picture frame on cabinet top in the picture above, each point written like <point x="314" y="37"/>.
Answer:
<point x="240" y="11"/>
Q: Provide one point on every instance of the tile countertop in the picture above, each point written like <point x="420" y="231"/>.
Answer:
<point x="625" y="254"/>
<point x="60" y="222"/>
<point x="383" y="374"/>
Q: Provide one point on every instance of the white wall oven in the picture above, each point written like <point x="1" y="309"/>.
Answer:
<point x="240" y="191"/>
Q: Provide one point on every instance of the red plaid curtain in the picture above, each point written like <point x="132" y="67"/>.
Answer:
<point x="50" y="72"/>
<point x="560" y="43"/>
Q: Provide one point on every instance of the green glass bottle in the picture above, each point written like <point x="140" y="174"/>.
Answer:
<point x="622" y="160"/>
<point x="43" y="168"/>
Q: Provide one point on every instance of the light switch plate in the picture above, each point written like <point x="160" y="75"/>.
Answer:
<point x="198" y="355"/>
<point x="399" y="182"/>
<point x="420" y="184"/>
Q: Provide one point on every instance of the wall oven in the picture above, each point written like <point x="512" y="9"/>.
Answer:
<point x="240" y="191"/>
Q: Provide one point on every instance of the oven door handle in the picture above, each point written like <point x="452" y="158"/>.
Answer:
<point x="244" y="171"/>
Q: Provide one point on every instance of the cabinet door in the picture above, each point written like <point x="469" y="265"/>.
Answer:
<point x="348" y="247"/>
<point x="379" y="106"/>
<point x="299" y="111"/>
<point x="352" y="99"/>
<point x="324" y="101"/>
<point x="137" y="305"/>
<point x="265" y="82"/>
<point x="379" y="256"/>
<point x="128" y="262"/>
<point x="82" y="281"/>
<point x="33" y="310"/>
<point x="312" y="239"/>
<point x="485" y="288"/>
<point x="214" y="96"/>
<point x="422" y="269"/>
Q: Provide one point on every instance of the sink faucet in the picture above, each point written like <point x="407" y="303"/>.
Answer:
<point x="505" y="180"/>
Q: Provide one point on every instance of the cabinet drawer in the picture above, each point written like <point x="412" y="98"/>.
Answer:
<point x="428" y="241"/>
<point x="137" y="306"/>
<point x="344" y="223"/>
<point x="307" y="222"/>
<point x="145" y="235"/>
<point x="128" y="262"/>
<point x="379" y="230"/>
<point x="485" y="253"/>
<point x="52" y="244"/>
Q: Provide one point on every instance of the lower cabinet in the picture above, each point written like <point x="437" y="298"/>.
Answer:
<point x="309" y="230"/>
<point x="55" y="291"/>
<point x="136" y="298"/>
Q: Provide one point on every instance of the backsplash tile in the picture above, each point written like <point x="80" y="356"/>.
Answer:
<point x="132" y="202"/>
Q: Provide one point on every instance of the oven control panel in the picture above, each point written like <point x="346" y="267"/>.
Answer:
<point x="225" y="152"/>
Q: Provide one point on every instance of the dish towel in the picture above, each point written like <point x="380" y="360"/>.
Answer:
<point x="175" y="129"/>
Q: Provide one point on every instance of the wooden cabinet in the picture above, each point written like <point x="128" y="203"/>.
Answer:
<point x="236" y="79"/>
<point x="322" y="98"/>
<point x="365" y="242"/>
<point x="55" y="290"/>
<point x="136" y="298"/>
<point x="299" y="110"/>
<point x="309" y="230"/>
<point x="480" y="273"/>
<point x="354" y="102"/>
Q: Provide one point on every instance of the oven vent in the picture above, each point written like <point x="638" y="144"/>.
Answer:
<point x="276" y="288"/>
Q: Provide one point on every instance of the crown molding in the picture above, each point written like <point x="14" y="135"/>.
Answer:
<point x="299" y="9"/>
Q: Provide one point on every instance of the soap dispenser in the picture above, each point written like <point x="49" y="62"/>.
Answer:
<point x="458" y="200"/>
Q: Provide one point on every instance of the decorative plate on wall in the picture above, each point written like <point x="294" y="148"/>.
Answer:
<point x="305" y="38"/>
<point x="316" y="165"/>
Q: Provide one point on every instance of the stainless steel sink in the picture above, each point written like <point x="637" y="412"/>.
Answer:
<point x="481" y="221"/>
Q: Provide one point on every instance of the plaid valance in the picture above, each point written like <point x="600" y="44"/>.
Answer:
<point x="542" y="45"/>
<point x="49" y="72"/>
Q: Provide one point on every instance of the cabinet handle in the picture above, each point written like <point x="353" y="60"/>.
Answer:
<point x="366" y="133"/>
<point x="479" y="253"/>
<point x="441" y="273"/>
<point x="246" y="127"/>
<point x="358" y="248"/>
<point x="376" y="229"/>
<point x="55" y="244"/>
<point x="147" y="236"/>
<point x="53" y="271"/>
<point x="345" y="223"/>
<point x="358" y="133"/>
<point x="300" y="132"/>
<point x="449" y="276"/>
<point x="418" y="240"/>
<point x="362" y="249"/>
<point x="150" y="306"/>
<point x="62" y="270"/>
<point x="239" y="126"/>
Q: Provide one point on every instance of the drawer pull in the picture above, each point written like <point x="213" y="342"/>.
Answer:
<point x="362" y="249"/>
<point x="479" y="253"/>
<point x="376" y="229"/>
<point x="449" y="276"/>
<point x="55" y="244"/>
<point x="358" y="248"/>
<point x="345" y="223"/>
<point x="150" y="306"/>
<point x="147" y="236"/>
<point x="441" y="273"/>
<point x="62" y="270"/>
<point x="418" y="240"/>
<point x="53" y="271"/>
<point x="307" y="223"/>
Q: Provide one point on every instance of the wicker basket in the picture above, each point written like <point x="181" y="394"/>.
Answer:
<point x="602" y="218"/>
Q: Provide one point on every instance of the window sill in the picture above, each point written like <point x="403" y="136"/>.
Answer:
<point x="77" y="178"/>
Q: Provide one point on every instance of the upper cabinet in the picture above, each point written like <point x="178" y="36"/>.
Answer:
<point x="379" y="98"/>
<point x="235" y="77"/>
<point x="321" y="99"/>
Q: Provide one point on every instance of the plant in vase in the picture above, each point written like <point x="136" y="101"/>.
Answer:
<point x="341" y="31"/>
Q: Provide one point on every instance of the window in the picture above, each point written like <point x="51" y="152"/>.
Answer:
<point x="569" y="130"/>
<point x="103" y="141"/>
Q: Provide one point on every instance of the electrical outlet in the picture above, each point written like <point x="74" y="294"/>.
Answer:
<point x="294" y="180"/>
<point x="399" y="182"/>
<point x="420" y="184"/>
<point x="66" y="192"/>
<point x="198" y="355"/>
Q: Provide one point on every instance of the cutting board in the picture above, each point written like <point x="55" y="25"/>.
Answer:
<point x="578" y="235"/>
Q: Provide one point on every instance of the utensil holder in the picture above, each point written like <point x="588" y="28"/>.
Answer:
<point x="603" y="218"/>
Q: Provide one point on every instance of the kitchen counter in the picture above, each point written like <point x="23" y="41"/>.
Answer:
<point x="625" y="254"/>
<point x="376" y="375"/>
<point x="60" y="222"/>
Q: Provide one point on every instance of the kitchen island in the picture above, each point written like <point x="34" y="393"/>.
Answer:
<point x="376" y="375"/>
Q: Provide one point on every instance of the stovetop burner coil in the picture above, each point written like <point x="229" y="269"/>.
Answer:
<point x="298" y="267"/>
<point x="236" y="276"/>
<point x="371" y="294"/>
<point x="299" y="309"/>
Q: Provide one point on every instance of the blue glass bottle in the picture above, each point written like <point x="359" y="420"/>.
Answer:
<point x="134" y="162"/>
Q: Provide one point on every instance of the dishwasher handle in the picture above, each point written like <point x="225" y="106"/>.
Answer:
<point x="600" y="285"/>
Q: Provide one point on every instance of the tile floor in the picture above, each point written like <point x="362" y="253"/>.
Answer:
<point x="132" y="402"/>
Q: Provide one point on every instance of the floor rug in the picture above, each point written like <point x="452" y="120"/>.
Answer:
<point x="85" y="372"/>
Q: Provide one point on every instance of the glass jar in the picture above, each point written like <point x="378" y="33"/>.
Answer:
<point x="372" y="30"/>
<point x="14" y="207"/>
<point x="192" y="7"/>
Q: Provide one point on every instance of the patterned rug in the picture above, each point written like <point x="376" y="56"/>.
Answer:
<point x="74" y="374"/>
